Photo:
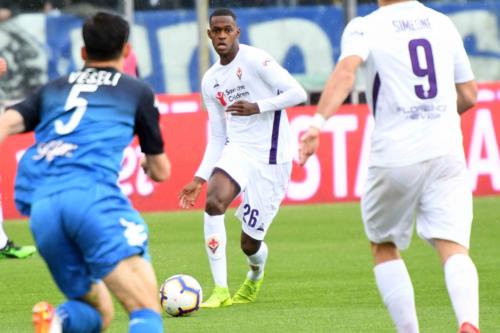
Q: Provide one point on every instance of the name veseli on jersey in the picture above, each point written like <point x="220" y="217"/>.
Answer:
<point x="91" y="76"/>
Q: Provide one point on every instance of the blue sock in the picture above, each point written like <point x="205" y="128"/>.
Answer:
<point x="79" y="317"/>
<point x="145" y="321"/>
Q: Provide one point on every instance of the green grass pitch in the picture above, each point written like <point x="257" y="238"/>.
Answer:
<point x="318" y="278"/>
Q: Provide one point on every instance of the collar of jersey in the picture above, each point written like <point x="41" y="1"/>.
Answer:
<point x="108" y="69"/>
<point x="401" y="4"/>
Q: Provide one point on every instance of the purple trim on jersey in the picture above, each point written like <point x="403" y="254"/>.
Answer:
<point x="375" y="91"/>
<point x="273" y="153"/>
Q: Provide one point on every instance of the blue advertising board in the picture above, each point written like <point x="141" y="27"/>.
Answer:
<point x="306" y="40"/>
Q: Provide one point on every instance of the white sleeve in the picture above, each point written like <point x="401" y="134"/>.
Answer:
<point x="288" y="91"/>
<point x="354" y="41"/>
<point x="463" y="70"/>
<point x="216" y="139"/>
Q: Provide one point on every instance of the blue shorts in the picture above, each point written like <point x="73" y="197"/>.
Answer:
<point x="82" y="234"/>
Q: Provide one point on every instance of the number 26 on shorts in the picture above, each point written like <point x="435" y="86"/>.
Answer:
<point x="250" y="215"/>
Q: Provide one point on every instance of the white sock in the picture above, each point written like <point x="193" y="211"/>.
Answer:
<point x="463" y="287"/>
<point x="3" y="236"/>
<point x="394" y="284"/>
<point x="257" y="261"/>
<point x="215" y="244"/>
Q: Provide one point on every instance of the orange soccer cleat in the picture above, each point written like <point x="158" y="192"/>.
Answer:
<point x="468" y="328"/>
<point x="45" y="319"/>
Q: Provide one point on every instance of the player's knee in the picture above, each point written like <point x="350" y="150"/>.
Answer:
<point x="215" y="205"/>
<point x="447" y="249"/>
<point x="385" y="252"/>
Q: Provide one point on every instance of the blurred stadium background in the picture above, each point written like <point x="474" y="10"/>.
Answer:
<point x="41" y="40"/>
<point x="324" y="285"/>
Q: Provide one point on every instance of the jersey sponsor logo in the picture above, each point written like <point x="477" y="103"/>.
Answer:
<point x="266" y="62"/>
<point x="422" y="111"/>
<point x="220" y="98"/>
<point x="239" y="73"/>
<point x="237" y="93"/>
<point x="134" y="233"/>
<point x="52" y="149"/>
<point x="213" y="243"/>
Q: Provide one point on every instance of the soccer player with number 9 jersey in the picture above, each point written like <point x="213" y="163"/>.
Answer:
<point x="419" y="82"/>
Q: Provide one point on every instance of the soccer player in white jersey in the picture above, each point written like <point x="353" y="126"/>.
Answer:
<point x="8" y="249"/>
<point x="421" y="81"/>
<point x="248" y="152"/>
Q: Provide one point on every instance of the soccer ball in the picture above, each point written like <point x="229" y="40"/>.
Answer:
<point x="180" y="295"/>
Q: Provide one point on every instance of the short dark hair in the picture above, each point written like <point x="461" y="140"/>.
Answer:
<point x="222" y="12"/>
<point x="104" y="35"/>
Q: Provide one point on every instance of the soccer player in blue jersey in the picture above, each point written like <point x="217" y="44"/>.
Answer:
<point x="91" y="238"/>
<point x="8" y="249"/>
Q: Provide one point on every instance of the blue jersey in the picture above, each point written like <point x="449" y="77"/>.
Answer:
<point x="82" y="124"/>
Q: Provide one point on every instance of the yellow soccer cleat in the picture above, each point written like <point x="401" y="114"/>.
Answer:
<point x="220" y="298"/>
<point x="248" y="291"/>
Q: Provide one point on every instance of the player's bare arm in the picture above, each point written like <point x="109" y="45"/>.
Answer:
<point x="157" y="167"/>
<point x="191" y="192"/>
<point x="11" y="122"/>
<point x="466" y="95"/>
<point x="243" y="108"/>
<point x="337" y="88"/>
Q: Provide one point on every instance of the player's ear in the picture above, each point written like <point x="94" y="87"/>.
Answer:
<point x="126" y="50"/>
<point x="209" y="33"/>
<point x="83" y="53"/>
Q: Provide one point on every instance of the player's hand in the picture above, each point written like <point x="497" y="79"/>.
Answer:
<point x="3" y="67"/>
<point x="190" y="192"/>
<point x="309" y="142"/>
<point x="243" y="108"/>
<point x="144" y="164"/>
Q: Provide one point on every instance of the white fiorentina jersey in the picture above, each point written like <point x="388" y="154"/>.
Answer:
<point x="414" y="56"/>
<point x="255" y="77"/>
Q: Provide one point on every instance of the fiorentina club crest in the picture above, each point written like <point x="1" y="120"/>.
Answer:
<point x="239" y="73"/>
<point x="220" y="98"/>
<point x="213" y="243"/>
